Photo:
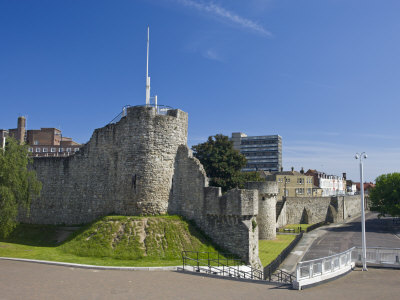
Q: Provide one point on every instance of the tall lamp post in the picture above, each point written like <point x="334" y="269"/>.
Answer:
<point x="362" y="156"/>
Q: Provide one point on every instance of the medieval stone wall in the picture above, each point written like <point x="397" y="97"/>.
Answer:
<point x="266" y="218"/>
<point x="318" y="209"/>
<point x="229" y="219"/>
<point x="352" y="205"/>
<point x="141" y="165"/>
<point x="126" y="168"/>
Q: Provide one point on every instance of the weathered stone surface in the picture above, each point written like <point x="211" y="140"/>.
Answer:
<point x="125" y="168"/>
<point x="266" y="218"/>
<point x="142" y="166"/>
<point x="227" y="219"/>
<point x="318" y="209"/>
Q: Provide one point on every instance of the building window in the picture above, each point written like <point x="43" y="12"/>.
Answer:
<point x="300" y="191"/>
<point x="76" y="149"/>
<point x="69" y="149"/>
<point x="308" y="191"/>
<point x="287" y="180"/>
<point x="61" y="150"/>
<point x="45" y="150"/>
<point x="53" y="149"/>
<point x="30" y="149"/>
<point x="280" y="179"/>
<point x="36" y="142"/>
<point x="37" y="149"/>
<point x="300" y="180"/>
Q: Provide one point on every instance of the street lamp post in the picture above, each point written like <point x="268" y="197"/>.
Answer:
<point x="362" y="156"/>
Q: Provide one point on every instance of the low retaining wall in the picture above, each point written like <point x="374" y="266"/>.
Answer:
<point x="272" y="266"/>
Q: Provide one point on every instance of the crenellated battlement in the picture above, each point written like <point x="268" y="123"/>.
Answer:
<point x="235" y="202"/>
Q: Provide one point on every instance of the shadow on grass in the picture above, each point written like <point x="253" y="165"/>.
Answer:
<point x="34" y="235"/>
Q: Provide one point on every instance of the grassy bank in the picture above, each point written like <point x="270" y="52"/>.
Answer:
<point x="110" y="241"/>
<point x="270" y="249"/>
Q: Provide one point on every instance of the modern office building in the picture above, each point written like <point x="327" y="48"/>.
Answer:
<point x="263" y="153"/>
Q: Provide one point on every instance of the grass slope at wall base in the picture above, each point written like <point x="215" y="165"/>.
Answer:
<point x="112" y="240"/>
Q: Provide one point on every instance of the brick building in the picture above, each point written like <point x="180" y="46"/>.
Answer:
<point x="42" y="142"/>
<point x="293" y="183"/>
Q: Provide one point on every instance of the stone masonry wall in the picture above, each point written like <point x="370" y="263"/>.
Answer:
<point x="281" y="219"/>
<point x="139" y="166"/>
<point x="352" y="206"/>
<point x="227" y="219"/>
<point x="126" y="168"/>
<point x="267" y="192"/>
<point x="314" y="210"/>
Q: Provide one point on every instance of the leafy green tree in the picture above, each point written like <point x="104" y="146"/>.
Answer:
<point x="18" y="185"/>
<point x="385" y="196"/>
<point x="223" y="163"/>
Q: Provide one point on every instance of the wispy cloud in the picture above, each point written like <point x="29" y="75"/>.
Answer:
<point x="380" y="136"/>
<point x="226" y="15"/>
<point x="212" y="54"/>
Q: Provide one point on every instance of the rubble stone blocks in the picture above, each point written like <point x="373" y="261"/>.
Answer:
<point x="141" y="165"/>
<point x="266" y="218"/>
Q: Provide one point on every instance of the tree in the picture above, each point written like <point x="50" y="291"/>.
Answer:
<point x="385" y="196"/>
<point x="223" y="163"/>
<point x="18" y="185"/>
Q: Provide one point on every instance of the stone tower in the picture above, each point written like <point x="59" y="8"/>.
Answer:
<point x="126" y="168"/>
<point x="266" y="218"/>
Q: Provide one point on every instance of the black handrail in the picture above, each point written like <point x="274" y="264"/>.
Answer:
<point x="226" y="268"/>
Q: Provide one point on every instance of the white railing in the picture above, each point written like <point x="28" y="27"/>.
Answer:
<point x="321" y="269"/>
<point x="378" y="255"/>
<point x="316" y="270"/>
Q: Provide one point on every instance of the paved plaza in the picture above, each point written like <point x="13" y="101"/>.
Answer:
<point x="336" y="238"/>
<point x="24" y="280"/>
<point x="339" y="238"/>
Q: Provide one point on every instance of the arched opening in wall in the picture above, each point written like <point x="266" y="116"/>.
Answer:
<point x="331" y="214"/>
<point x="305" y="217"/>
<point x="134" y="179"/>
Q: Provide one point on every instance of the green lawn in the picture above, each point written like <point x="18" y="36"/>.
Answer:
<point x="270" y="249"/>
<point x="295" y="226"/>
<point x="110" y="241"/>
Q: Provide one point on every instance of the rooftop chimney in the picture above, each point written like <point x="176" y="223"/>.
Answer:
<point x="302" y="170"/>
<point x="21" y="130"/>
<point x="292" y="169"/>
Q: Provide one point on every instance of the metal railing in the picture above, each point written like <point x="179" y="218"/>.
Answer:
<point x="317" y="267"/>
<point x="160" y="110"/>
<point x="215" y="264"/>
<point x="320" y="269"/>
<point x="282" y="276"/>
<point x="378" y="255"/>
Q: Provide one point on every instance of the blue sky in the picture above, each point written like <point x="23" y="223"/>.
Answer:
<point x="325" y="75"/>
